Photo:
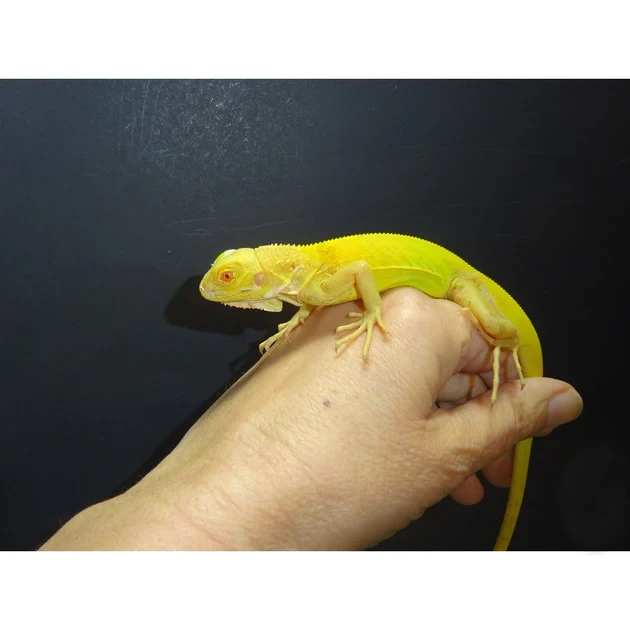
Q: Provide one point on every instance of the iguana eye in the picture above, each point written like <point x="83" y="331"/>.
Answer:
<point x="227" y="276"/>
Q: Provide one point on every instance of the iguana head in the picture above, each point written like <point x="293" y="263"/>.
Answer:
<point x="236" y="278"/>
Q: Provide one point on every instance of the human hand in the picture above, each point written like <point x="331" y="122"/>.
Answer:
<point x="317" y="451"/>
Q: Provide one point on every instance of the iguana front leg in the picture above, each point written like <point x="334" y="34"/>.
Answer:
<point x="469" y="291"/>
<point x="284" y="330"/>
<point x="356" y="275"/>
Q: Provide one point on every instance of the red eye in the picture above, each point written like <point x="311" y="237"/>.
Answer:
<point x="227" y="276"/>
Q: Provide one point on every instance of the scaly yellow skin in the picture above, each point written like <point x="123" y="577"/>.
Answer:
<point x="363" y="266"/>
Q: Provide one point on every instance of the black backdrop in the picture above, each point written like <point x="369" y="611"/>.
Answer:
<point x="117" y="195"/>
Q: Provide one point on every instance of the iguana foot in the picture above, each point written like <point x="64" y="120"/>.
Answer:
<point x="285" y="329"/>
<point x="365" y="323"/>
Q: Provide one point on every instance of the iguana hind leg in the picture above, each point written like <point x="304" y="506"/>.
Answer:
<point x="469" y="291"/>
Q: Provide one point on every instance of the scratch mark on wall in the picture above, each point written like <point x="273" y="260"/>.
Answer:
<point x="120" y="113"/>
<point x="191" y="221"/>
<point x="186" y="251"/>
<point x="523" y="202"/>
<point x="155" y="111"/>
<point x="144" y="107"/>
<point x="206" y="134"/>
<point x="522" y="151"/>
<point x="626" y="159"/>
<point x="259" y="225"/>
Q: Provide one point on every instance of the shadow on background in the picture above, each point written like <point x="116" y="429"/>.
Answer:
<point x="187" y="309"/>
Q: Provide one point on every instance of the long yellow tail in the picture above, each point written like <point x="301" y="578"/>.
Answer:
<point x="522" y="451"/>
<point x="531" y="359"/>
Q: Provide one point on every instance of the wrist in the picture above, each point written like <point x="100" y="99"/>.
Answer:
<point x="126" y="523"/>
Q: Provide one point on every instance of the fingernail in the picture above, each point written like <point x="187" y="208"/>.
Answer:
<point x="564" y="407"/>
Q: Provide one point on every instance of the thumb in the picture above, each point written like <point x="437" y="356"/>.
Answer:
<point x="476" y="433"/>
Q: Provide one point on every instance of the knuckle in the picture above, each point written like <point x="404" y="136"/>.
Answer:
<point x="409" y="305"/>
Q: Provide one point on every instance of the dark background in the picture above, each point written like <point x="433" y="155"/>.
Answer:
<point x="116" y="196"/>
